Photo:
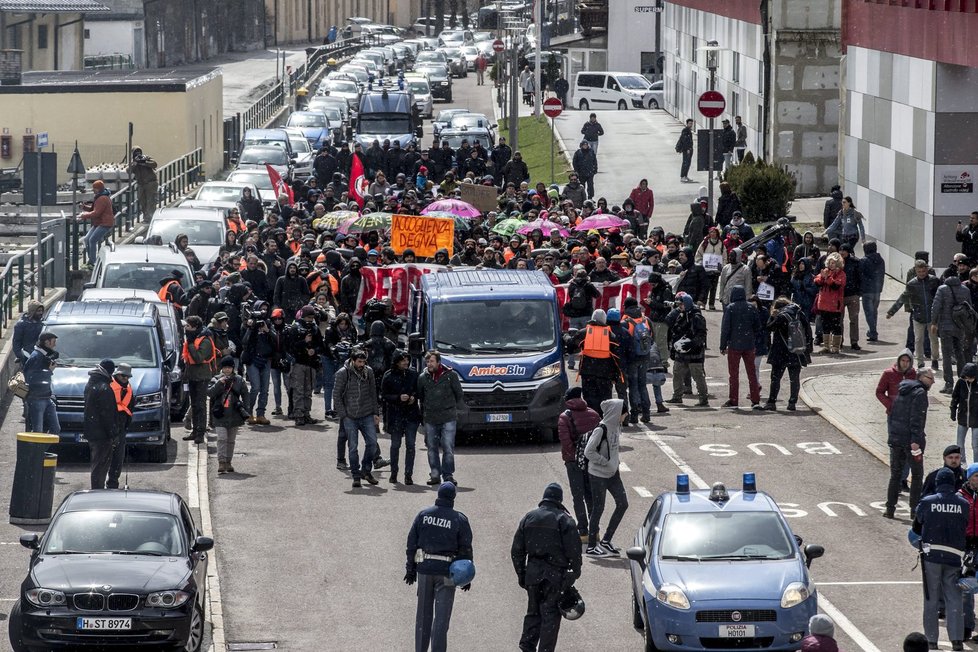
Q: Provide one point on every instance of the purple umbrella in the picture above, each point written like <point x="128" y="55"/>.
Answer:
<point x="545" y="226"/>
<point x="453" y="206"/>
<point x="599" y="222"/>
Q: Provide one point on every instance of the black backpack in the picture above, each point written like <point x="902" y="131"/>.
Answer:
<point x="963" y="315"/>
<point x="579" y="442"/>
<point x="578" y="297"/>
<point x="796" y="341"/>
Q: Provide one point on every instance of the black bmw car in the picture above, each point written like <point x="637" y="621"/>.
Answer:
<point x="115" y="570"/>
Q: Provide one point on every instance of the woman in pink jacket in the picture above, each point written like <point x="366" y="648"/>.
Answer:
<point x="829" y="303"/>
<point x="102" y="218"/>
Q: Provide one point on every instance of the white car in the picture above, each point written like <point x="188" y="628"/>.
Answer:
<point x="258" y="179"/>
<point x="302" y="165"/>
<point x="256" y="157"/>
<point x="656" y="101"/>
<point x="420" y="87"/>
<point x="222" y="192"/>
<point x="348" y="90"/>
<point x="470" y="53"/>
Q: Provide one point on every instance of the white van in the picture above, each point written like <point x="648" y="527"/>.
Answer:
<point x="611" y="90"/>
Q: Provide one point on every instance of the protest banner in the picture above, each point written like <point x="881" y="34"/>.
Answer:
<point x="485" y="198"/>
<point x="425" y="235"/>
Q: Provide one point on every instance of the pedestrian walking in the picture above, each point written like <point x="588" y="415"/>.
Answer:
<point x="142" y="168"/>
<point x="561" y="87"/>
<point x="574" y="425"/>
<point x="791" y="347"/>
<point x="42" y="413"/>
<point x="440" y="394"/>
<point x="907" y="439"/>
<point x="641" y="341"/>
<point x="258" y="351"/>
<point x="546" y="555"/>
<point x="684" y="146"/>
<point x="728" y="142"/>
<point x="830" y="303"/>
<point x="740" y="146"/>
<point x="941" y="523"/>
<point x="439" y="537"/>
<point x="358" y="409"/>
<point x="852" y="292"/>
<point x="848" y="225"/>
<point x="592" y="131"/>
<point x="230" y="399"/>
<point x="602" y="456"/>
<point x="964" y="410"/>
<point x="872" y="273"/>
<point x="579" y="306"/>
<point x="658" y="306"/>
<point x="599" y="365"/>
<point x="399" y="389"/>
<point x="946" y="324"/>
<point x="969" y="491"/>
<point x="101" y="425"/>
<point x="888" y="386"/>
<point x="102" y="217"/>
<point x="687" y="348"/>
<point x="481" y="63"/>
<point x="739" y="329"/>
<point x="917" y="298"/>
<point x="305" y="344"/>
<point x="198" y="357"/>
<point x="822" y="635"/>
<point x="26" y="331"/>
<point x="585" y="164"/>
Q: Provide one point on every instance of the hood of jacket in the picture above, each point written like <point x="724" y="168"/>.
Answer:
<point x="819" y="643"/>
<point x="952" y="282"/>
<point x="738" y="293"/>
<point x="98" y="373"/>
<point x="689" y="257"/>
<point x="377" y="329"/>
<point x="611" y="413"/>
<point x="970" y="370"/>
<point x="909" y="355"/>
<point x="695" y="209"/>
<point x="909" y="386"/>
<point x="576" y="405"/>
<point x="945" y="481"/>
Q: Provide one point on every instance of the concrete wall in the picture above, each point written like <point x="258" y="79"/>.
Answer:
<point x="166" y="125"/>
<point x="288" y="21"/>
<point x="65" y="40"/>
<point x="185" y="31"/>
<point x="633" y="30"/>
<point x="112" y="37"/>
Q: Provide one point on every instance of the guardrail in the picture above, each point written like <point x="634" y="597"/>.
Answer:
<point x="25" y="276"/>
<point x="176" y="178"/>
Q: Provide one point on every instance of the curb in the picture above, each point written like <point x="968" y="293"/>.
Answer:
<point x="197" y="480"/>
<point x="7" y="358"/>
<point x="838" y="425"/>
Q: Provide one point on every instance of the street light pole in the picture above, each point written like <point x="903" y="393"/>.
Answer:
<point x="712" y="54"/>
<point x="537" y="77"/>
<point x="514" y="95"/>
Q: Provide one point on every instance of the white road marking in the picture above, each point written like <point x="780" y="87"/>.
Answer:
<point x="832" y="364"/>
<point x="193" y="491"/>
<point x="840" y="619"/>
<point x="623" y="467"/>
<point x="199" y="496"/>
<point x="643" y="492"/>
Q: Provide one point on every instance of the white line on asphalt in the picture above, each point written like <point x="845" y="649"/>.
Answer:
<point x="840" y="619"/>
<point x="193" y="491"/>
<point x="832" y="364"/>
<point x="865" y="583"/>
<point x="623" y="467"/>
<point x="643" y="492"/>
<point x="200" y="492"/>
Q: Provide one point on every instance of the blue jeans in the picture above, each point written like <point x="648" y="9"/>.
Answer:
<point x="93" y="239"/>
<point x="871" y="308"/>
<point x="43" y="416"/>
<point x="408" y="431"/>
<point x="276" y="383"/>
<point x="365" y="426"/>
<point x="259" y="378"/>
<point x="962" y="435"/>
<point x="329" y="381"/>
<point x="441" y="436"/>
<point x="638" y="389"/>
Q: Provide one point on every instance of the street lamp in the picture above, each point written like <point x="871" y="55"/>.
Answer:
<point x="712" y="56"/>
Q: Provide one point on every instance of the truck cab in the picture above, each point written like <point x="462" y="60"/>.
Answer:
<point x="388" y="114"/>
<point x="500" y="331"/>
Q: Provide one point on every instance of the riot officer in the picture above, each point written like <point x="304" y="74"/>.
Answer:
<point x="547" y="557"/>
<point x="440" y="541"/>
<point x="941" y="521"/>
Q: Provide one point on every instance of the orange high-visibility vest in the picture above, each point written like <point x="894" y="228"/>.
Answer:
<point x="186" y="352"/>
<point x="122" y="400"/>
<point x="165" y="292"/>
<point x="597" y="342"/>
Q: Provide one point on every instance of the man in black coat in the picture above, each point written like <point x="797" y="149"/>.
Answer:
<point x="832" y="207"/>
<point x="907" y="439"/>
<point x="968" y="237"/>
<point x="500" y="156"/>
<point x="952" y="461"/>
<point x="399" y="391"/>
<point x="324" y="165"/>
<point x="586" y="165"/>
<point x="546" y="555"/>
<point x="515" y="171"/>
<point x="687" y="347"/>
<point x="101" y="423"/>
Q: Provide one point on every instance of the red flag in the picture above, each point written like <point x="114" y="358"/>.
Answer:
<point x="279" y="186"/>
<point x="358" y="181"/>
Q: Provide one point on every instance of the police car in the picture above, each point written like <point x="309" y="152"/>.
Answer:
<point x="713" y="570"/>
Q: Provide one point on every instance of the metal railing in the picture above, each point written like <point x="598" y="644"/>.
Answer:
<point x="25" y="276"/>
<point x="176" y="178"/>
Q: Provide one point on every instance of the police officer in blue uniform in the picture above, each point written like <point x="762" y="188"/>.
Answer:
<point x="546" y="555"/>
<point x="439" y="536"/>
<point x="941" y="520"/>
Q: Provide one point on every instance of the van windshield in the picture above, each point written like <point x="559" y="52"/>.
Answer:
<point x="141" y="275"/>
<point x="390" y="123"/>
<point x="634" y="82"/>
<point x="494" y="326"/>
<point x="85" y="345"/>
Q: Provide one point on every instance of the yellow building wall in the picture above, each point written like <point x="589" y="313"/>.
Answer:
<point x="166" y="125"/>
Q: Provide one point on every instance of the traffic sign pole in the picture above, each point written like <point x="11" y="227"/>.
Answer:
<point x="552" y="108"/>
<point x="711" y="104"/>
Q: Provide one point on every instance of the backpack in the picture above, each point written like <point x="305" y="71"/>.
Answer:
<point x="377" y="358"/>
<point x="963" y="315"/>
<point x="641" y="336"/>
<point x="579" y="443"/>
<point x="578" y="297"/>
<point x="796" y="341"/>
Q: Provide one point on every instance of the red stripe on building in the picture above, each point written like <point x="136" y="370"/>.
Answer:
<point x="936" y="30"/>
<point x="746" y="10"/>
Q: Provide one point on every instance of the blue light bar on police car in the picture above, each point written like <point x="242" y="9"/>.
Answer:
<point x="750" y="483"/>
<point x="682" y="484"/>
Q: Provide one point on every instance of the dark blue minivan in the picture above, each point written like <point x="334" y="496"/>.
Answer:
<point x="125" y="332"/>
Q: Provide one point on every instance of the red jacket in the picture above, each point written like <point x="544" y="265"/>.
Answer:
<point x="831" y="291"/>
<point x="584" y="421"/>
<point x="889" y="384"/>
<point x="644" y="201"/>
<point x="972" y="529"/>
<point x="101" y="213"/>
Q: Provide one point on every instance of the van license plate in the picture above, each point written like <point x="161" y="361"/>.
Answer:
<point x="736" y="631"/>
<point x="499" y="418"/>
<point x="104" y="623"/>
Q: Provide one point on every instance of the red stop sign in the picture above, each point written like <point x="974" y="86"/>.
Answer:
<point x="498" y="45"/>
<point x="552" y="107"/>
<point x="711" y="104"/>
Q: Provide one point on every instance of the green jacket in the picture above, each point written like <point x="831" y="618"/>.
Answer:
<point x="440" y="399"/>
<point x="200" y="361"/>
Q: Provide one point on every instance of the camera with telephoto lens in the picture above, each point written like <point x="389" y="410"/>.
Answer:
<point x="969" y="563"/>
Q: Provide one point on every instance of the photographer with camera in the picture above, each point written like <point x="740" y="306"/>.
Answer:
<point x="257" y="352"/>
<point x="229" y="400"/>
<point x="143" y="170"/>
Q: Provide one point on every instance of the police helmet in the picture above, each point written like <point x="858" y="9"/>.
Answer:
<point x="462" y="572"/>
<point x="571" y="604"/>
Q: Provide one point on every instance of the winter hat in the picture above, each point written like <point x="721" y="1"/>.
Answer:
<point x="599" y="316"/>
<point x="578" y="392"/>
<point x="972" y="469"/>
<point x="307" y="311"/>
<point x="613" y="315"/>
<point x="32" y="307"/>
<point x="820" y="624"/>
<point x="953" y="449"/>
<point x="630" y="302"/>
<point x="98" y="185"/>
<point x="107" y="366"/>
<point x="945" y="477"/>
<point x="687" y="300"/>
<point x="554" y="492"/>
<point x="397" y="356"/>
<point x="447" y="491"/>
<point x="227" y="361"/>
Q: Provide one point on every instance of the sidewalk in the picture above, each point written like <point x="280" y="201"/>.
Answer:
<point x="248" y="75"/>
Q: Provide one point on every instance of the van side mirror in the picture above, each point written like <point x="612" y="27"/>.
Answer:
<point x="415" y="344"/>
<point x="203" y="544"/>
<point x="813" y="552"/>
<point x="139" y="239"/>
<point x="90" y="285"/>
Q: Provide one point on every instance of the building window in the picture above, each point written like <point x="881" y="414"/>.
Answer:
<point x="88" y="34"/>
<point x="760" y="77"/>
<point x="42" y="37"/>
<point x="735" y="68"/>
<point x="692" y="53"/>
<point x="735" y="103"/>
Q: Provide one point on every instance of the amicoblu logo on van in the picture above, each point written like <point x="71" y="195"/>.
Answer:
<point x="494" y="370"/>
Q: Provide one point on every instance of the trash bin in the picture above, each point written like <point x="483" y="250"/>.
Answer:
<point x="32" y="496"/>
